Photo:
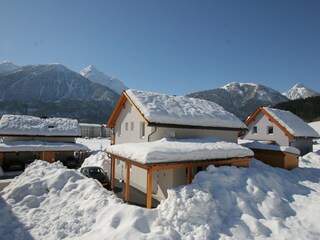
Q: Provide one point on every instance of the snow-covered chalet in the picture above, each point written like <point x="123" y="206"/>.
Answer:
<point x="280" y="127"/>
<point x="160" y="141"/>
<point x="26" y="138"/>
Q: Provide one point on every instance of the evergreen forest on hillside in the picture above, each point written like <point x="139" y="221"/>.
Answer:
<point x="308" y="109"/>
<point x="89" y="111"/>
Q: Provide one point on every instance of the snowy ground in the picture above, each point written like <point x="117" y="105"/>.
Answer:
<point x="49" y="201"/>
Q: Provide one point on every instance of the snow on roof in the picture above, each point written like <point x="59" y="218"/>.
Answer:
<point x="294" y="125"/>
<point x="179" y="150"/>
<point x="39" y="146"/>
<point x="36" y="126"/>
<point x="259" y="145"/>
<point x="90" y="125"/>
<point x="315" y="126"/>
<point x="166" y="109"/>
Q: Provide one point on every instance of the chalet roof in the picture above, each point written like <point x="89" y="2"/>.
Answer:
<point x="170" y="150"/>
<point x="288" y="122"/>
<point x="35" y="146"/>
<point x="23" y="125"/>
<point x="167" y="110"/>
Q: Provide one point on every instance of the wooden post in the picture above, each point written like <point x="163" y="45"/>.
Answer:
<point x="149" y="188"/>
<point x="189" y="175"/>
<point x="113" y="167"/>
<point x="126" y="197"/>
<point x="2" y="157"/>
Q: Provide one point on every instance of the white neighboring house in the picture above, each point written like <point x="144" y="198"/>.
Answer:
<point x="281" y="127"/>
<point x="26" y="138"/>
<point x="91" y="130"/>
<point x="141" y="117"/>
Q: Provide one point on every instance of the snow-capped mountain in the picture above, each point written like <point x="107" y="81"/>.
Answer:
<point x="7" y="66"/>
<point x="51" y="82"/>
<point x="241" y="99"/>
<point x="96" y="76"/>
<point x="55" y="90"/>
<point x="300" y="91"/>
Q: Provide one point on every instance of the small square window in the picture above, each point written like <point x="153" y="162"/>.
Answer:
<point x="126" y="126"/>
<point x="270" y="130"/>
<point x="255" y="130"/>
<point x="132" y="126"/>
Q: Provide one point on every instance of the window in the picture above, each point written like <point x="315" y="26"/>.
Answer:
<point x="126" y="126"/>
<point x="255" y="130"/>
<point x="119" y="130"/>
<point x="270" y="130"/>
<point x="142" y="129"/>
<point x="132" y="126"/>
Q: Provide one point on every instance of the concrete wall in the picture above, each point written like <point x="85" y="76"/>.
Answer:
<point x="128" y="126"/>
<point x="262" y="122"/>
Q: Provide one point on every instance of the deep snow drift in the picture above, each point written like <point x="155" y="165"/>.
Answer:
<point x="49" y="201"/>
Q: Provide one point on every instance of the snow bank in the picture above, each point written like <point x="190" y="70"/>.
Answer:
<point x="259" y="202"/>
<point x="49" y="201"/>
<point x="258" y="145"/>
<point x="35" y="126"/>
<point x="295" y="125"/>
<point x="175" y="150"/>
<point x="161" y="108"/>
<point x="54" y="202"/>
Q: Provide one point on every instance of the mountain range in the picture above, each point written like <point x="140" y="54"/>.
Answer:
<point x="90" y="96"/>
<point x="54" y="90"/>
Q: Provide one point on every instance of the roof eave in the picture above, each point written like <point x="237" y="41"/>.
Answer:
<point x="169" y="125"/>
<point x="26" y="135"/>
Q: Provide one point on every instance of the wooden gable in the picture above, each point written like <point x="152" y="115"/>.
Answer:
<point x="271" y="118"/>
<point x="121" y="105"/>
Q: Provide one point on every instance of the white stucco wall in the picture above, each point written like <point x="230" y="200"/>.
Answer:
<point x="262" y="122"/>
<point x="162" y="180"/>
<point x="182" y="133"/>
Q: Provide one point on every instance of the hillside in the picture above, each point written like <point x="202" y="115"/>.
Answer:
<point x="54" y="90"/>
<point x="241" y="99"/>
<point x="308" y="109"/>
<point x="7" y="66"/>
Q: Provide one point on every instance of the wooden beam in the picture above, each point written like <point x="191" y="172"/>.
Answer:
<point x="149" y="188"/>
<point x="113" y="167"/>
<point x="140" y="165"/>
<point x="126" y="197"/>
<point x="189" y="175"/>
<point x="215" y="162"/>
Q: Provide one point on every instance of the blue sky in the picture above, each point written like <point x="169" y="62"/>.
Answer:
<point x="173" y="47"/>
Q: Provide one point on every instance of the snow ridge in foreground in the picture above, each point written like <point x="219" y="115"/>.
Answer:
<point x="259" y="202"/>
